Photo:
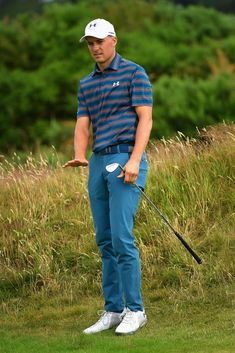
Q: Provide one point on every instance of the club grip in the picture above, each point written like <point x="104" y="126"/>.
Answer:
<point x="196" y="257"/>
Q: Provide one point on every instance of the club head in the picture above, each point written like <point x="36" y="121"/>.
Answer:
<point x="112" y="167"/>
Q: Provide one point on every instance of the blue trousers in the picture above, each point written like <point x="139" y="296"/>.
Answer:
<point x="114" y="205"/>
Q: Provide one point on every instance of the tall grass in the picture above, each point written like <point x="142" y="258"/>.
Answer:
<point x="47" y="242"/>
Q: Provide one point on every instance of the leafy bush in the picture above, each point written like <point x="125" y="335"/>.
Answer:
<point x="183" y="103"/>
<point x="42" y="62"/>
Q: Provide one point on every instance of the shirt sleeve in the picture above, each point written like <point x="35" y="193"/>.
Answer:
<point x="141" y="89"/>
<point x="82" y="107"/>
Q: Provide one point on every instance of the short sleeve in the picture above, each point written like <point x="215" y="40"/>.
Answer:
<point x="141" y="89"/>
<point x="82" y="107"/>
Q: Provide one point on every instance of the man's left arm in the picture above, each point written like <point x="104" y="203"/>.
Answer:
<point x="142" y="137"/>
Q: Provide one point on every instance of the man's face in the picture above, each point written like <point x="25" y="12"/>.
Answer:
<point x="102" y="50"/>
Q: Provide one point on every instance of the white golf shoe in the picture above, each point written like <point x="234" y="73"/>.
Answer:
<point x="106" y="321"/>
<point x="132" y="321"/>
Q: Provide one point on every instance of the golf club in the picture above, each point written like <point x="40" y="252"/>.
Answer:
<point x="112" y="167"/>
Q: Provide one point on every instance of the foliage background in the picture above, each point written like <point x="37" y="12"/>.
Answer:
<point x="188" y="53"/>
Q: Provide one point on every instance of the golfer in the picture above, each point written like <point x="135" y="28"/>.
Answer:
<point x="116" y="98"/>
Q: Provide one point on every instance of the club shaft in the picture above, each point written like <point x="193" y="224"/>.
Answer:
<point x="186" y="245"/>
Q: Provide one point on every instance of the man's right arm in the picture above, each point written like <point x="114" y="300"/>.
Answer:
<point x="81" y="139"/>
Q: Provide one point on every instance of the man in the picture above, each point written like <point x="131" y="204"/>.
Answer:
<point x="116" y="98"/>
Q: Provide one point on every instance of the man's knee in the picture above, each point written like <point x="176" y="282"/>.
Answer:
<point x="124" y="246"/>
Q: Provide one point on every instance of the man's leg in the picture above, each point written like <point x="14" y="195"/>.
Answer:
<point x="123" y="203"/>
<point x="99" y="201"/>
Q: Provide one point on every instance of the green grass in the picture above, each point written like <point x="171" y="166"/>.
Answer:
<point x="205" y="326"/>
<point x="50" y="268"/>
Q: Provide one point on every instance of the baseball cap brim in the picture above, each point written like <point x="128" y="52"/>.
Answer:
<point x="92" y="35"/>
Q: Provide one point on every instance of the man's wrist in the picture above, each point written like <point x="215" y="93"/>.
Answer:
<point x="136" y="157"/>
<point x="79" y="155"/>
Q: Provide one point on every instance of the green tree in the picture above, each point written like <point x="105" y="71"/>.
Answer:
<point x="42" y="62"/>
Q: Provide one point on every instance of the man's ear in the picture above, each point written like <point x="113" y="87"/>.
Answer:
<point x="114" y="39"/>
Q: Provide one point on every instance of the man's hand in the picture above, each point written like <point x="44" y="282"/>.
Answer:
<point x="77" y="162"/>
<point x="131" y="171"/>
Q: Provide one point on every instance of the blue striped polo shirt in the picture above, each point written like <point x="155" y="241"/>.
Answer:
<point x="109" y="99"/>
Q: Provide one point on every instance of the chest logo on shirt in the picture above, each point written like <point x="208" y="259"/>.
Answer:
<point x="115" y="84"/>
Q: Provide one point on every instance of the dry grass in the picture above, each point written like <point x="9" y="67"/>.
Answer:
<point x="47" y="243"/>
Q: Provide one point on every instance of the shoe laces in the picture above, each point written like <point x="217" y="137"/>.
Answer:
<point x="104" y="315"/>
<point x="128" y="316"/>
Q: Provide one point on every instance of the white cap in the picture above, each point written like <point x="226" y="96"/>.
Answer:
<point x="99" y="28"/>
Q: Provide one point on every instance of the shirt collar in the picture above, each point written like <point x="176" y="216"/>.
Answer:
<point x="113" y="66"/>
